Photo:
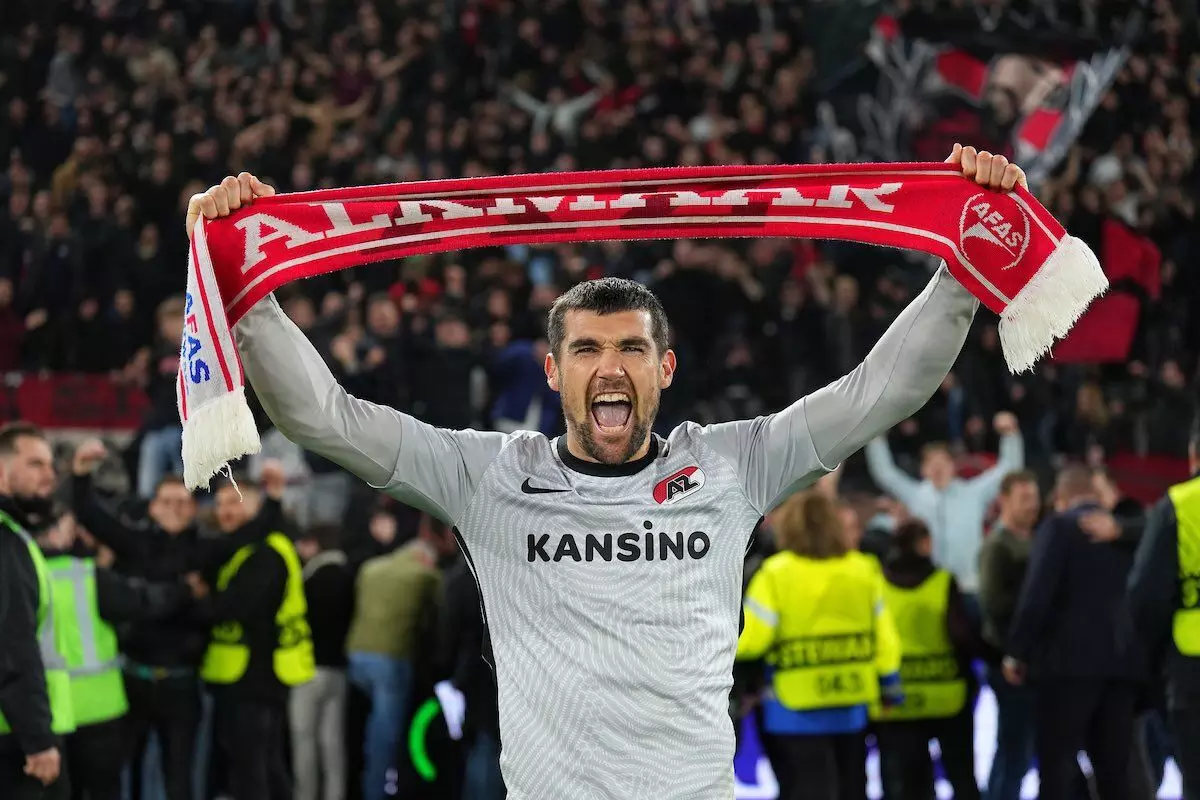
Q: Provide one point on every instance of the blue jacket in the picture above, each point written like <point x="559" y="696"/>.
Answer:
<point x="519" y="380"/>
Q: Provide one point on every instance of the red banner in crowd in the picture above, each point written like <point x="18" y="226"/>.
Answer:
<point x="933" y="80"/>
<point x="73" y="401"/>
<point x="1105" y="333"/>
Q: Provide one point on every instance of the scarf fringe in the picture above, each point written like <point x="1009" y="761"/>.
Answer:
<point x="1053" y="300"/>
<point x="216" y="433"/>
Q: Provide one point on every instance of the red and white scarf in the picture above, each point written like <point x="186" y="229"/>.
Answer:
<point x="1004" y="247"/>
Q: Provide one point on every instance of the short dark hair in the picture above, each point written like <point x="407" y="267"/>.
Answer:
<point x="1074" y="481"/>
<point x="607" y="296"/>
<point x="1015" y="478"/>
<point x="327" y="536"/>
<point x="13" y="431"/>
<point x="908" y="537"/>
<point x="170" y="479"/>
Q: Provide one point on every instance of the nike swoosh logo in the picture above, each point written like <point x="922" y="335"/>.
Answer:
<point x="527" y="489"/>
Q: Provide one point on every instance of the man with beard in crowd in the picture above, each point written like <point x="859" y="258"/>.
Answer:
<point x="161" y="656"/>
<point x="35" y="693"/>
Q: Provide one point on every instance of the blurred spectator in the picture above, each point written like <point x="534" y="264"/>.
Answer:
<point x="318" y="708"/>
<point x="953" y="508"/>
<point x="521" y="398"/>
<point x="259" y="645"/>
<point x="468" y="696"/>
<point x="382" y="531"/>
<point x="814" y="592"/>
<point x="934" y="628"/>
<point x="1164" y="611"/>
<point x="162" y="434"/>
<point x="1003" y="560"/>
<point x="393" y="593"/>
<point x="96" y="749"/>
<point x="1073" y="635"/>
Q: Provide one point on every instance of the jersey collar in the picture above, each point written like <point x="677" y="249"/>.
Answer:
<point x="606" y="470"/>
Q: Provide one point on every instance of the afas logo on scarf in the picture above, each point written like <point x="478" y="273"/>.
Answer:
<point x="992" y="222"/>
<point x="197" y="370"/>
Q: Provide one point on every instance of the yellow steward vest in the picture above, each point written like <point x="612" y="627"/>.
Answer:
<point x="933" y="685"/>
<point x="228" y="654"/>
<point x="816" y="622"/>
<point x="92" y="656"/>
<point x="1185" y="497"/>
<point x="51" y="642"/>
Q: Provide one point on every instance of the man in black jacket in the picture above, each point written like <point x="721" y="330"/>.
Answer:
<point x="31" y="753"/>
<point x="252" y="647"/>
<point x="1160" y="591"/>
<point x="161" y="656"/>
<point x="468" y="696"/>
<point x="1074" y="633"/>
<point x="317" y="710"/>
<point x="905" y="768"/>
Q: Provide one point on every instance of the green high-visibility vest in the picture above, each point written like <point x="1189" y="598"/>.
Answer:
<point x="934" y="686"/>
<point x="1185" y="497"/>
<point x="50" y="640"/>
<point x="228" y="654"/>
<point x="90" y="643"/>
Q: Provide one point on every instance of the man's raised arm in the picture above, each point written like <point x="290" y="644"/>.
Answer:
<point x="430" y="468"/>
<point x="781" y="453"/>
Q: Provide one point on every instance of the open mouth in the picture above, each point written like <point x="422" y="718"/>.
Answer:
<point x="611" y="410"/>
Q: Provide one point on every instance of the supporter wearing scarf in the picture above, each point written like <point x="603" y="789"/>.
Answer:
<point x="1001" y="244"/>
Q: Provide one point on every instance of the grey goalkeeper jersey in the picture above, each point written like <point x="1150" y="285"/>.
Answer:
<point x="612" y="594"/>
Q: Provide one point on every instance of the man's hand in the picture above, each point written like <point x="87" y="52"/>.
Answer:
<point x="36" y="319"/>
<point x="1006" y="423"/>
<point x="988" y="170"/>
<point x="1100" y="526"/>
<point x="343" y="350"/>
<point x="1014" y="671"/>
<point x="87" y="456"/>
<point x="273" y="479"/>
<point x="196" y="585"/>
<point x="226" y="197"/>
<point x="375" y="357"/>
<point x="44" y="766"/>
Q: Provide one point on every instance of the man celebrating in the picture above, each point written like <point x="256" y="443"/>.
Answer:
<point x="609" y="560"/>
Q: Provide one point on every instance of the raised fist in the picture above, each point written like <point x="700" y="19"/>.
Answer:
<point x="89" y="453"/>
<point x="992" y="171"/>
<point x="1006" y="423"/>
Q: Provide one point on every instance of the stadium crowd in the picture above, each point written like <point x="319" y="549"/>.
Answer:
<point x="114" y="112"/>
